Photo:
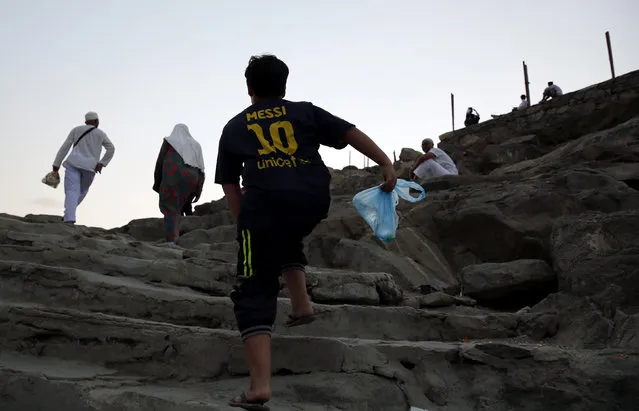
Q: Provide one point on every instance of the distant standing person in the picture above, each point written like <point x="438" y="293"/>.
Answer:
<point x="80" y="167"/>
<point x="472" y="117"/>
<point x="435" y="163"/>
<point x="179" y="178"/>
<point x="552" y="91"/>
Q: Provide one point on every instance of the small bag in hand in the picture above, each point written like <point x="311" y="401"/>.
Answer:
<point x="52" y="179"/>
<point x="377" y="207"/>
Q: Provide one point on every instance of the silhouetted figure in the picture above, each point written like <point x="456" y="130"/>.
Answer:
<point x="472" y="117"/>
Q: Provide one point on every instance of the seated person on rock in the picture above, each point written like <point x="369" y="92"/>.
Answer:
<point x="435" y="163"/>
<point x="472" y="117"/>
<point x="522" y="105"/>
<point x="273" y="145"/>
<point x="552" y="91"/>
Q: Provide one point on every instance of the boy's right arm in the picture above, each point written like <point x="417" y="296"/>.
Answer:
<point x="362" y="143"/>
<point x="338" y="133"/>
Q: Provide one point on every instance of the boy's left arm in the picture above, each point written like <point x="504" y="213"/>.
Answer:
<point x="227" y="173"/>
<point x="233" y="194"/>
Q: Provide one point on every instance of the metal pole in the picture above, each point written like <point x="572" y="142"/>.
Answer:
<point x="612" y="64"/>
<point x="394" y="157"/>
<point x="452" y="108"/>
<point x="349" y="158"/>
<point x="526" y="83"/>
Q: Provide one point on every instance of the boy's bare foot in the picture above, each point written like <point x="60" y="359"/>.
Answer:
<point x="294" y="321"/>
<point x="251" y="400"/>
<point x="258" y="356"/>
<point x="300" y="302"/>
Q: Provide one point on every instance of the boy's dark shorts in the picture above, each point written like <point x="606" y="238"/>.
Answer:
<point x="265" y="251"/>
<point x="271" y="251"/>
<point x="264" y="254"/>
<point x="272" y="228"/>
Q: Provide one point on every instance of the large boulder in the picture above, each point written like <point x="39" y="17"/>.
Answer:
<point x="409" y="155"/>
<point x="596" y="251"/>
<point x="498" y="280"/>
<point x="500" y="221"/>
<point x="614" y="150"/>
<point x="512" y="151"/>
<point x="370" y="257"/>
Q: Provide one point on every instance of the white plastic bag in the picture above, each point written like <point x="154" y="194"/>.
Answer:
<point x="377" y="207"/>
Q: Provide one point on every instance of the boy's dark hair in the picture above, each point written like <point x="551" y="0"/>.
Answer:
<point x="550" y="83"/>
<point x="266" y="76"/>
<point x="523" y="96"/>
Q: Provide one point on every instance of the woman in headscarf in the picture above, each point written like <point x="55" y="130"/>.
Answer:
<point x="179" y="177"/>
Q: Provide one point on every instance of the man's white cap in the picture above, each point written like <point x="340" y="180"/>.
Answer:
<point x="91" y="115"/>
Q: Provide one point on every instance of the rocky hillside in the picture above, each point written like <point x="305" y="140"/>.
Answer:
<point x="514" y="286"/>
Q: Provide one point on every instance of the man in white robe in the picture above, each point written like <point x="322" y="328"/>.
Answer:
<point x="86" y="144"/>
<point x="434" y="163"/>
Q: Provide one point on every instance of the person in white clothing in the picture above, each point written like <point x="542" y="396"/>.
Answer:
<point x="86" y="144"/>
<point x="552" y="91"/>
<point x="434" y="163"/>
<point x="522" y="105"/>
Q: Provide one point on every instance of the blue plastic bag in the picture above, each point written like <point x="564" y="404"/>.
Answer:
<point x="377" y="207"/>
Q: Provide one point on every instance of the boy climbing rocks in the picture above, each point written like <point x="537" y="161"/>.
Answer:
<point x="273" y="145"/>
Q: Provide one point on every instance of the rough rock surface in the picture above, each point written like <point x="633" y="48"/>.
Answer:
<point x="545" y="215"/>
<point x="542" y="128"/>
<point x="494" y="280"/>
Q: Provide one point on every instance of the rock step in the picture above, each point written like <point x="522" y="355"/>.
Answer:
<point x="205" y="269"/>
<point x="63" y="236"/>
<point x="75" y="385"/>
<point x="207" y="276"/>
<point x="210" y="277"/>
<point x="430" y="373"/>
<point x="92" y="292"/>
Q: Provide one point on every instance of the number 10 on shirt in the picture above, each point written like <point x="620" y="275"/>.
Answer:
<point x="276" y="142"/>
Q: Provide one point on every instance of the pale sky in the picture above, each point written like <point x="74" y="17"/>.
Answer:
<point x="387" y="66"/>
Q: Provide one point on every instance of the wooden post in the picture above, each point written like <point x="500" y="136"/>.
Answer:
<point x="527" y="83"/>
<point x="612" y="64"/>
<point x="394" y="157"/>
<point x="452" y="108"/>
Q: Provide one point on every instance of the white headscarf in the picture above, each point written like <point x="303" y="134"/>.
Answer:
<point x="186" y="146"/>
